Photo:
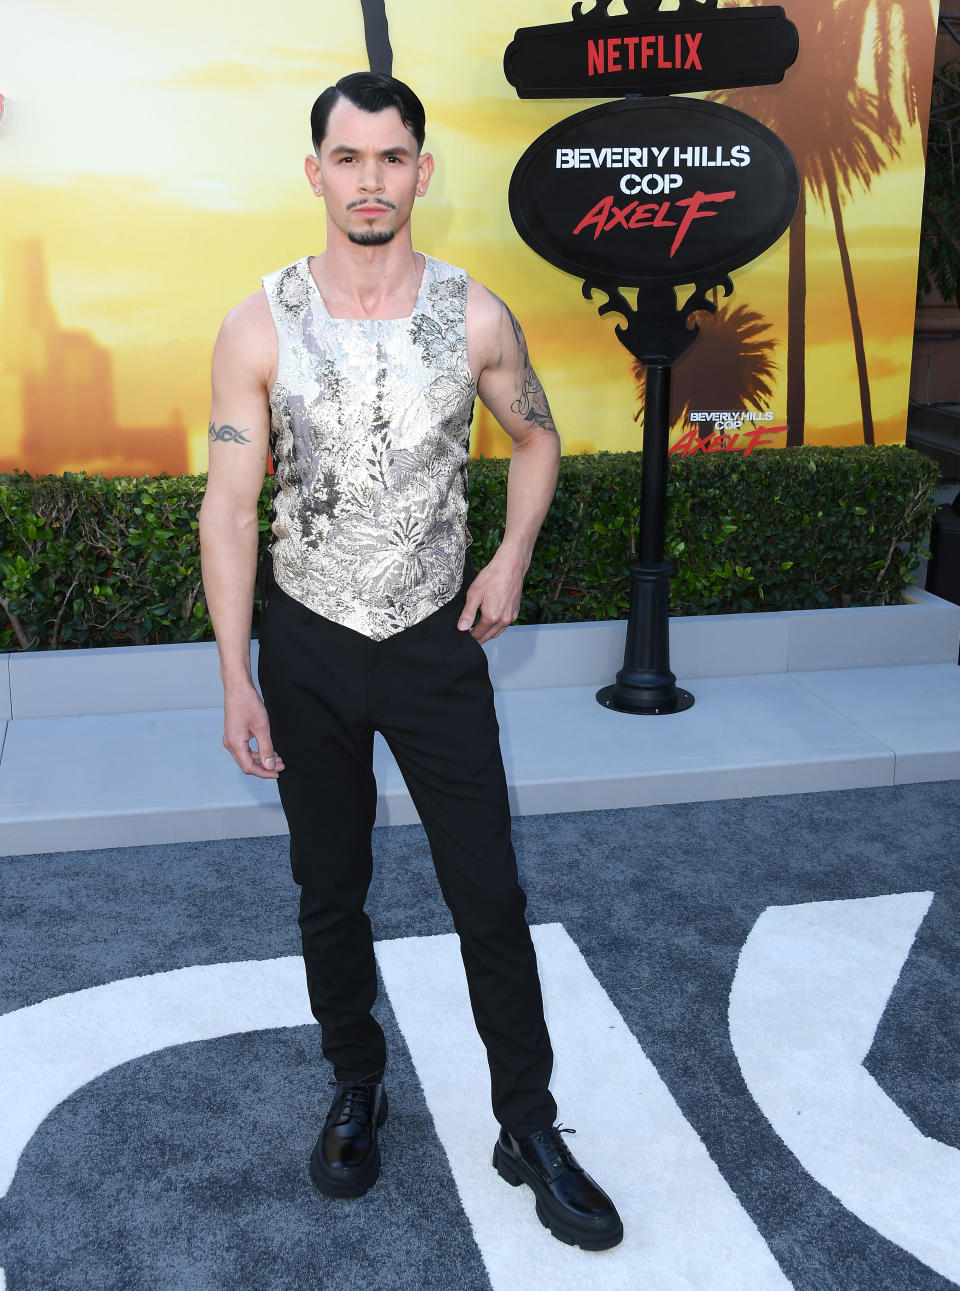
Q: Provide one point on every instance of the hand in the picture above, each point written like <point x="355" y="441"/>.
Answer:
<point x="245" y="718"/>
<point x="496" y="592"/>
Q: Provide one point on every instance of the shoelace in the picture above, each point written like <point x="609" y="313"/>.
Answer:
<point x="356" y="1100"/>
<point x="559" y="1153"/>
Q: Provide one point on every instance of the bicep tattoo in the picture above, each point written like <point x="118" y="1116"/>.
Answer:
<point x="227" y="434"/>
<point x="531" y="402"/>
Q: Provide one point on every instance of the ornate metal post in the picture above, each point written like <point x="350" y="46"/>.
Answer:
<point x="645" y="683"/>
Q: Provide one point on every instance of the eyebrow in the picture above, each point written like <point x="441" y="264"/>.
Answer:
<point x="401" y="151"/>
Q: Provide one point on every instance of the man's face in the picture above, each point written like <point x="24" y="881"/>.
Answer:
<point x="368" y="172"/>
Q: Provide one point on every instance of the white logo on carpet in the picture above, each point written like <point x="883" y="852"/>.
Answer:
<point x="810" y="989"/>
<point x="684" y="1230"/>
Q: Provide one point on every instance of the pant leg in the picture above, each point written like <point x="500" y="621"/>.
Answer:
<point x="314" y="678"/>
<point x="434" y="707"/>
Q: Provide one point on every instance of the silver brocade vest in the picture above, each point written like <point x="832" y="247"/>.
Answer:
<point x="370" y="437"/>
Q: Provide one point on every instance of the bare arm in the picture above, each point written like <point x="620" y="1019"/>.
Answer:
<point x="239" y="435"/>
<point x="511" y="389"/>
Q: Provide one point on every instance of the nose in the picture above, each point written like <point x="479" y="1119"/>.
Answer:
<point x="371" y="180"/>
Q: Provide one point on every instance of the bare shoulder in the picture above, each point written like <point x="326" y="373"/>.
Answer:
<point x="485" y="310"/>
<point x="489" y="321"/>
<point x="248" y="323"/>
<point x="484" y="307"/>
<point x="248" y="337"/>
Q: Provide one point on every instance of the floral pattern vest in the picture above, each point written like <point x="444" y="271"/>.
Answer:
<point x="370" y="438"/>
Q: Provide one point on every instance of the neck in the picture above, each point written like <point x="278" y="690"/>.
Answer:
<point x="367" y="278"/>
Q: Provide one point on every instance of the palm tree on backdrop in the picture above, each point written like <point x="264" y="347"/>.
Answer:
<point x="733" y="358"/>
<point x="857" y="160"/>
<point x="909" y="26"/>
<point x="902" y="33"/>
<point x="841" y="135"/>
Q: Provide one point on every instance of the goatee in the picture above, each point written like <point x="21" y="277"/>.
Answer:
<point x="371" y="238"/>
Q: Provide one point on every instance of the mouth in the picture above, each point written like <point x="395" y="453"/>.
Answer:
<point x="371" y="210"/>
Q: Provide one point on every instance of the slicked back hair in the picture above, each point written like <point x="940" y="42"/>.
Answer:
<point x="371" y="92"/>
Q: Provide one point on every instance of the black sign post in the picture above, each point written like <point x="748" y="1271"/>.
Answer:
<point x="654" y="194"/>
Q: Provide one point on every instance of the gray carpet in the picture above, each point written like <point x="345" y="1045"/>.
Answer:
<point x="185" y="1169"/>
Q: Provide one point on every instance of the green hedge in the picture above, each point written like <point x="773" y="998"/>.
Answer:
<point x="92" y="561"/>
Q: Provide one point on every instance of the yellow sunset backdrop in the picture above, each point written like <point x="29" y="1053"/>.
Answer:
<point x="152" y="165"/>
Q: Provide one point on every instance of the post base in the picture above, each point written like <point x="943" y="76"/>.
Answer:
<point x="653" y="705"/>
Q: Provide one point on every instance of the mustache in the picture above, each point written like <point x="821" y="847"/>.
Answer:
<point x="366" y="201"/>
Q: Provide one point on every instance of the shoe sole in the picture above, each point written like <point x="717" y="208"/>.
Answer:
<point x="515" y="1176"/>
<point x="359" y="1182"/>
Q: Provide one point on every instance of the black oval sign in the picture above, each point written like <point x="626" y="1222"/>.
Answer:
<point x="662" y="190"/>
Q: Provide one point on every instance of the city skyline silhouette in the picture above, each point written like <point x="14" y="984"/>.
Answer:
<point x="57" y="388"/>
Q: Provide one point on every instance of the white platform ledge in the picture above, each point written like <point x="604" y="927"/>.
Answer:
<point x="130" y="679"/>
<point x="102" y="748"/>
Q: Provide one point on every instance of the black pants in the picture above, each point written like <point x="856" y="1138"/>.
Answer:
<point x="427" y="689"/>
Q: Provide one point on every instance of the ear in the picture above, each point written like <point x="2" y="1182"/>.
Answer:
<point x="311" y="168"/>
<point x="425" y="167"/>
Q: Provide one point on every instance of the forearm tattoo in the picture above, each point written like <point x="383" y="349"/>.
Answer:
<point x="531" y="402"/>
<point x="227" y="434"/>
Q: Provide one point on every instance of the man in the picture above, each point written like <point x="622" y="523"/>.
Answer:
<point x="359" y="368"/>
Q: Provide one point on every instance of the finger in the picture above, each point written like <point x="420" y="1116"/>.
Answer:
<point x="239" y="750"/>
<point x="267" y="756"/>
<point x="494" y="626"/>
<point x="469" y="612"/>
<point x="262" y="774"/>
<point x="249" y="760"/>
<point x="486" y="629"/>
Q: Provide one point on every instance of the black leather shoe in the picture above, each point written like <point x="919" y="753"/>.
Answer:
<point x="346" y="1159"/>
<point x="569" y="1202"/>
